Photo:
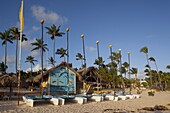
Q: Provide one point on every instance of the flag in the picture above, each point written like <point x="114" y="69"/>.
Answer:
<point x="21" y="17"/>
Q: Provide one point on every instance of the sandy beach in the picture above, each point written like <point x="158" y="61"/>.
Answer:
<point x="129" y="106"/>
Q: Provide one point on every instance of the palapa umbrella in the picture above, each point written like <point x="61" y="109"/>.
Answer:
<point x="7" y="80"/>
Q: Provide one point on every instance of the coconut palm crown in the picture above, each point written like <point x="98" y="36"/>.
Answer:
<point x="54" y="32"/>
<point x="5" y="36"/>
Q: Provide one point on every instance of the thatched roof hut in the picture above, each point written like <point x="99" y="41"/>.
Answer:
<point x="90" y="75"/>
<point x="46" y="74"/>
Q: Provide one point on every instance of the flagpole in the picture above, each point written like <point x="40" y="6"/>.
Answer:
<point x="20" y="53"/>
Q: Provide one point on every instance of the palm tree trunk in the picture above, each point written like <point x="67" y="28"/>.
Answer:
<point x="16" y="56"/>
<point x="54" y="50"/>
<point x="64" y="59"/>
<point x="31" y="74"/>
<point x="135" y="80"/>
<point x="150" y="73"/>
<point x="5" y="55"/>
<point x="82" y="63"/>
<point x="160" y="85"/>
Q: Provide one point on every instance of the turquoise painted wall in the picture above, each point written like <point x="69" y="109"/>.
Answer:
<point x="62" y="80"/>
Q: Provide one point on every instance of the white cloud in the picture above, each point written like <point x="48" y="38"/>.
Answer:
<point x="40" y="12"/>
<point x="10" y="59"/>
<point x="17" y="25"/>
<point x="35" y="53"/>
<point x="37" y="68"/>
<point x="91" y="49"/>
<point x="141" y="75"/>
<point x="35" y="28"/>
<point x="48" y="67"/>
<point x="27" y="44"/>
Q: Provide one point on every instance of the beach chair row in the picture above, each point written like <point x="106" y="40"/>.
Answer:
<point x="81" y="99"/>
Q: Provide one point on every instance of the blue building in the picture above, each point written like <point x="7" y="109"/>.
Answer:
<point x="62" y="79"/>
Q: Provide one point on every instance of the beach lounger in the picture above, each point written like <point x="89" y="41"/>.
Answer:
<point x="72" y="98"/>
<point x="116" y="98"/>
<point x="122" y="97"/>
<point x="30" y="100"/>
<point x="130" y="96"/>
<point x="97" y="98"/>
<point x="57" y="101"/>
<point x="80" y="100"/>
<point x="109" y="97"/>
<point x="136" y="96"/>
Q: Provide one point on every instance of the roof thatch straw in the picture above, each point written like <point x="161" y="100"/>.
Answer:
<point x="30" y="79"/>
<point x="6" y="79"/>
<point x="90" y="72"/>
<point x="45" y="74"/>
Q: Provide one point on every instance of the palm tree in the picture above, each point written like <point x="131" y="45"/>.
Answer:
<point x="153" y="60"/>
<point x="51" y="61"/>
<point x="54" y="32"/>
<point x="126" y="65"/>
<point x="134" y="71"/>
<point x="62" y="52"/>
<point x="80" y="57"/>
<point x="16" y="36"/>
<point x="99" y="62"/>
<point x="3" y="68"/>
<point x="31" y="60"/>
<point x="5" y="36"/>
<point x="39" y="45"/>
<point x="116" y="57"/>
<point x="145" y="50"/>
<point x="168" y="66"/>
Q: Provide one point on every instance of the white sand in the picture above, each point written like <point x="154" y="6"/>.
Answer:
<point x="160" y="98"/>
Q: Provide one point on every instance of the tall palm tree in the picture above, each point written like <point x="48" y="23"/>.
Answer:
<point x="39" y="45"/>
<point x="79" y="56"/>
<point x="51" y="61"/>
<point x="54" y="32"/>
<point x="16" y="36"/>
<point x="31" y="60"/>
<point x="99" y="62"/>
<point x="5" y="36"/>
<point x="134" y="71"/>
<point x="145" y="50"/>
<point x="62" y="52"/>
<point x="153" y="60"/>
<point x="116" y="57"/>
<point x="126" y="65"/>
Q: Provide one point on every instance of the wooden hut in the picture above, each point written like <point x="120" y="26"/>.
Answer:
<point x="61" y="79"/>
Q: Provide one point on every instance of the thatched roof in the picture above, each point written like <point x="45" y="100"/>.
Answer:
<point x="6" y="79"/>
<point x="90" y="71"/>
<point x="30" y="79"/>
<point x="45" y="74"/>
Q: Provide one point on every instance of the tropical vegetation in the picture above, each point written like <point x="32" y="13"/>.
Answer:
<point x="114" y="73"/>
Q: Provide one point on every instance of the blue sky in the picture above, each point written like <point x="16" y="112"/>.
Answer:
<point x="126" y="24"/>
